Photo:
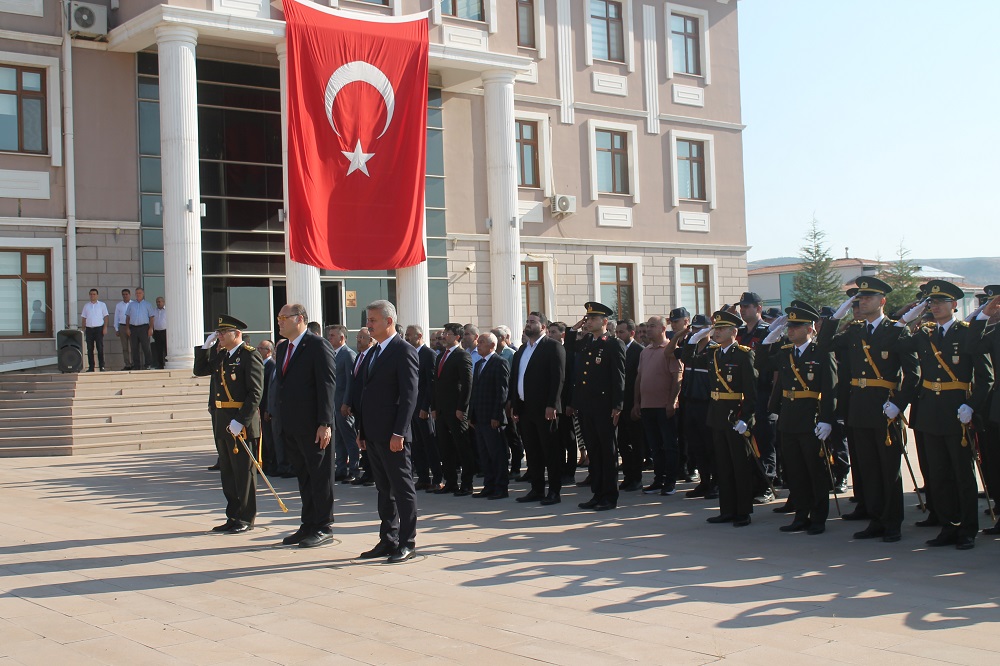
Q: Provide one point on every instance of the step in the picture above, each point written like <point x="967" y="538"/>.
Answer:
<point x="163" y="422"/>
<point x="66" y="449"/>
<point x="106" y="404"/>
<point x="128" y="439"/>
<point x="180" y="412"/>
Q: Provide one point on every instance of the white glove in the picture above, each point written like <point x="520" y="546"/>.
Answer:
<point x="914" y="313"/>
<point x="699" y="336"/>
<point x="235" y="427"/>
<point x="773" y="336"/>
<point x="210" y="340"/>
<point x="778" y="323"/>
<point x="965" y="414"/>
<point x="740" y="427"/>
<point x="823" y="430"/>
<point x="844" y="307"/>
<point x="890" y="410"/>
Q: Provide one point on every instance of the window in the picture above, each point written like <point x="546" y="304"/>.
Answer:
<point x="691" y="170"/>
<point x="612" y="162"/>
<point x="695" y="289"/>
<point x="527" y="154"/>
<point x="25" y="286"/>
<point x="467" y="9"/>
<point x="686" y="44"/>
<point x="526" y="23"/>
<point x="607" y="30"/>
<point x="532" y="288"/>
<point x="22" y="109"/>
<point x="617" y="290"/>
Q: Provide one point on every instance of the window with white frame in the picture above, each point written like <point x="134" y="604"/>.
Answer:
<point x="30" y="105"/>
<point x="25" y="293"/>
<point x="692" y="155"/>
<point x="618" y="284"/>
<point x="26" y="7"/>
<point x="466" y="9"/>
<point x="613" y="159"/>
<point x="607" y="30"/>
<point x="532" y="132"/>
<point x="687" y="42"/>
<point x="526" y="24"/>
<point x="696" y="284"/>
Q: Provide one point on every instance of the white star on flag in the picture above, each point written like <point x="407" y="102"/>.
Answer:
<point x="358" y="158"/>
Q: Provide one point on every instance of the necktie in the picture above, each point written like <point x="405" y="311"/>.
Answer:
<point x="871" y="329"/>
<point x="288" y="357"/>
<point x="375" y="352"/>
<point x="798" y="352"/>
<point x="357" y="365"/>
<point x="479" y="368"/>
<point x="444" y="357"/>
<point x="940" y="334"/>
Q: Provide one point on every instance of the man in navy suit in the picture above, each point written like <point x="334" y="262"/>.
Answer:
<point x="426" y="461"/>
<point x="490" y="378"/>
<point x="346" y="445"/>
<point x="449" y="407"/>
<point x="388" y="399"/>
<point x="305" y="386"/>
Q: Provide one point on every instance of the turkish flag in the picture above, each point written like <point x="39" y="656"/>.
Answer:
<point x="357" y="128"/>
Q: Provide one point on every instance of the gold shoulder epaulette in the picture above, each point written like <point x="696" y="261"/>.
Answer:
<point x="893" y="321"/>
<point x="743" y="348"/>
<point x="788" y="346"/>
<point x="963" y="324"/>
<point x="246" y="345"/>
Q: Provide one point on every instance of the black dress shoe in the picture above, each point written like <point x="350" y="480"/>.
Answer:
<point x="943" y="540"/>
<point x="855" y="515"/>
<point x="357" y="482"/>
<point x="481" y="494"/>
<point x="584" y="483"/>
<point x="589" y="504"/>
<point x="239" y="528"/>
<point x="723" y="518"/>
<point x="605" y="506"/>
<point x="368" y="483"/>
<point x="287" y="475"/>
<point x="532" y="496"/>
<point x="653" y="488"/>
<point x="401" y="555"/>
<point x="446" y="489"/>
<point x="462" y="492"/>
<point x="349" y="480"/>
<point x="712" y="493"/>
<point x="815" y="529"/>
<point x="787" y="507"/>
<point x="697" y="491"/>
<point x="382" y="549"/>
<point x="226" y="526"/>
<point x="892" y="536"/>
<point x="965" y="543"/>
<point x="500" y="495"/>
<point x="550" y="499"/>
<point x="214" y="468"/>
<point x="296" y="537"/>
<point x="630" y="487"/>
<point x="741" y="521"/>
<point x="992" y="531"/>
<point x="796" y="526"/>
<point x="929" y="521"/>
<point x="870" y="533"/>
<point x="316" y="539"/>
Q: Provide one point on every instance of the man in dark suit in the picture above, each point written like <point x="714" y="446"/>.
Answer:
<point x="305" y="383"/>
<point x="452" y="390"/>
<point x="388" y="400"/>
<point x="268" y="457"/>
<point x="426" y="460"/>
<point x="535" y="394"/>
<point x="631" y="440"/>
<point x="345" y="436"/>
<point x="237" y="386"/>
<point x="490" y="379"/>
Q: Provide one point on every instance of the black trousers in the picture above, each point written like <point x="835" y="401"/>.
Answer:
<point x="883" y="484"/>
<point x="953" y="480"/>
<point x="95" y="338"/>
<point x="397" y="500"/>
<point x="543" y="450"/>
<point x="857" y="484"/>
<point x="989" y="446"/>
<point x="632" y="446"/>
<point x="239" y="476"/>
<point x="142" y="352"/>
<point x="836" y="444"/>
<point x="807" y="476"/>
<point x="453" y="443"/>
<point x="314" y="468"/>
<point x="515" y="446"/>
<point x="571" y="451"/>
<point x="159" y="346"/>
<point x="926" y="472"/>
<point x="492" y="457"/>
<point x="701" y="450"/>
<point x="733" y="472"/>
<point x="602" y="449"/>
<point x="426" y="459"/>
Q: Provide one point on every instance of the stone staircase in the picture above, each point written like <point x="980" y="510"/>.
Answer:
<point x="49" y="414"/>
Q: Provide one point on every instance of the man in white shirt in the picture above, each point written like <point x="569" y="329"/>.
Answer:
<point x="95" y="324"/>
<point x="121" y="328"/>
<point x="139" y="318"/>
<point x="159" y="334"/>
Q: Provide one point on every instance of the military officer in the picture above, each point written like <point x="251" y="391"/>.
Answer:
<point x="883" y="381"/>
<point x="807" y="378"/>
<point x="598" y="396"/>
<point x="730" y="415"/>
<point x="989" y="442"/>
<point x="956" y="378"/>
<point x="237" y="372"/>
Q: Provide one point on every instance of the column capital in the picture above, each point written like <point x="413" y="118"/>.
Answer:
<point x="499" y="76"/>
<point x="176" y="33"/>
<point x="282" y="50"/>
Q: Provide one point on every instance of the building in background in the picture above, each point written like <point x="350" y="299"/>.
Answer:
<point x="576" y="151"/>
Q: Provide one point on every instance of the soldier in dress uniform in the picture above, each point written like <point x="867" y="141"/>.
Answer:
<point x="751" y="333"/>
<point x="598" y="397"/>
<point x="989" y="441"/>
<point x="733" y="380"/>
<point x="807" y="379"/>
<point x="883" y="381"/>
<point x="956" y="378"/>
<point x="237" y="372"/>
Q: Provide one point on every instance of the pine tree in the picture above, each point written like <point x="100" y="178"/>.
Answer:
<point x="901" y="275"/>
<point x="816" y="282"/>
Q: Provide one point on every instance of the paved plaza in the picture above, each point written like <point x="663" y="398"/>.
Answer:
<point x="106" y="559"/>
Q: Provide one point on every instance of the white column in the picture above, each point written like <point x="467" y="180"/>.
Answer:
<point x="181" y="192"/>
<point x="501" y="180"/>
<point x="413" y="304"/>
<point x="301" y="281"/>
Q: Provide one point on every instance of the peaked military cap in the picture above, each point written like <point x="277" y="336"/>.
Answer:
<point x="722" y="318"/>
<point x="872" y="285"/>
<point x="595" y="308"/>
<point x="992" y="290"/>
<point x="678" y="313"/>
<point x="750" y="298"/>
<point x="852" y="292"/>
<point x="943" y="289"/>
<point x="700" y="321"/>
<point x="826" y="312"/>
<point x="224" y="321"/>
<point x="982" y="298"/>
<point x="772" y="313"/>
<point x="800" y="312"/>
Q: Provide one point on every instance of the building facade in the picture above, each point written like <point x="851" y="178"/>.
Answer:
<point x="577" y="150"/>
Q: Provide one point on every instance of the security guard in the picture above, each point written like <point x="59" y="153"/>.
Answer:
<point x="883" y="381"/>
<point x="807" y="378"/>
<point x="956" y="378"/>
<point x="731" y="414"/>
<point x="237" y="372"/>
<point x="598" y="396"/>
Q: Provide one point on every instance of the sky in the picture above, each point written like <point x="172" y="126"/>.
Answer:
<point x="881" y="118"/>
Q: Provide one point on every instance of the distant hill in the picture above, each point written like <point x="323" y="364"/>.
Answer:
<point x="775" y="261"/>
<point x="976" y="270"/>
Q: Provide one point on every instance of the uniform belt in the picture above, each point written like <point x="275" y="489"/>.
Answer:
<point x="793" y="394"/>
<point x="874" y="383"/>
<point x="222" y="404"/>
<point x="722" y="395"/>
<point x="937" y="387"/>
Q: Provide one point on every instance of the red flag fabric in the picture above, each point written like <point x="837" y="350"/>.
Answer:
<point x="357" y="109"/>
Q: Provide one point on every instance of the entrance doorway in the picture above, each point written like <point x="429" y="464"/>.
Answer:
<point x="332" y="299"/>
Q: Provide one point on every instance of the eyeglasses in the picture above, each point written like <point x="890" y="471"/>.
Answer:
<point x="285" y="317"/>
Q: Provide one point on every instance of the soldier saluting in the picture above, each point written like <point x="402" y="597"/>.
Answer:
<point x="237" y="372"/>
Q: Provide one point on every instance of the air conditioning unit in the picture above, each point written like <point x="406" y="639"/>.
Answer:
<point x="563" y="204"/>
<point x="88" y="20"/>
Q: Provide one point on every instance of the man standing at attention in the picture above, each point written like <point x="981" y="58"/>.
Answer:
<point x="160" y="334"/>
<point x="139" y="328"/>
<point x="345" y="436"/>
<point x="426" y="461"/>
<point x="95" y="323"/>
<point x="121" y="328"/>
<point x="388" y="399"/>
